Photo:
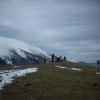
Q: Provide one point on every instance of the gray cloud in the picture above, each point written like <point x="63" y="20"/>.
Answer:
<point x="63" y="27"/>
<point x="7" y="31"/>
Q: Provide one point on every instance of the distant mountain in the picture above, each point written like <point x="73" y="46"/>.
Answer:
<point x="14" y="53"/>
<point x="89" y="64"/>
<point x="93" y="64"/>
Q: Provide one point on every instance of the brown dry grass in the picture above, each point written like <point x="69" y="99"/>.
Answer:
<point x="52" y="83"/>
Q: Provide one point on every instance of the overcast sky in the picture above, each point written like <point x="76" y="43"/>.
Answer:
<point x="69" y="28"/>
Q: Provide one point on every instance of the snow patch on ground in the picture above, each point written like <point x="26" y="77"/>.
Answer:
<point x="97" y="72"/>
<point x="6" y="76"/>
<point x="75" y="69"/>
<point x="68" y="68"/>
<point x="60" y="66"/>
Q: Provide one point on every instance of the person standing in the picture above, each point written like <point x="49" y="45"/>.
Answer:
<point x="60" y="58"/>
<point x="53" y="58"/>
<point x="45" y="60"/>
<point x="98" y="62"/>
<point x="64" y="58"/>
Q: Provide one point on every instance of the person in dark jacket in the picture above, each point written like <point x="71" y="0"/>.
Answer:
<point x="53" y="58"/>
<point x="64" y="58"/>
<point x="45" y="60"/>
<point x="98" y="62"/>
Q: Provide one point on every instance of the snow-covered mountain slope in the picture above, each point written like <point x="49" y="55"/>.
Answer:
<point x="15" y="52"/>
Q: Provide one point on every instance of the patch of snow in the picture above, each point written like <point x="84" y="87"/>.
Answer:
<point x="6" y="76"/>
<point x="68" y="68"/>
<point x="60" y="66"/>
<point x="9" y="62"/>
<point x="36" y="58"/>
<point x="75" y="69"/>
<point x="97" y="72"/>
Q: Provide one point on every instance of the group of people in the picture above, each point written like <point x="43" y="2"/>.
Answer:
<point x="59" y="59"/>
<point x="56" y="59"/>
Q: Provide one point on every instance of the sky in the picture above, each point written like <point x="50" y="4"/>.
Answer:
<point x="68" y="28"/>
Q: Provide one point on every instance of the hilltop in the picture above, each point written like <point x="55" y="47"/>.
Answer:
<point x="55" y="81"/>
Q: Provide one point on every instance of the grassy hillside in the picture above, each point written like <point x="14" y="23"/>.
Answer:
<point x="52" y="83"/>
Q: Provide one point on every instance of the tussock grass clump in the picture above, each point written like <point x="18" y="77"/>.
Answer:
<point x="52" y="83"/>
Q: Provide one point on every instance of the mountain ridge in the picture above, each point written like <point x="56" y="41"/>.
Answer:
<point x="89" y="64"/>
<point x="14" y="53"/>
